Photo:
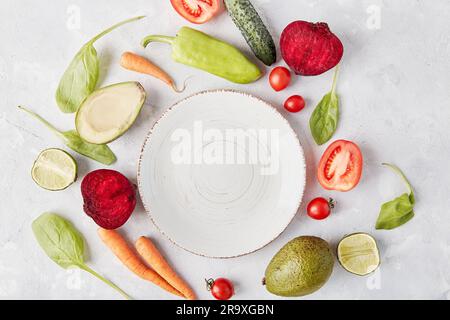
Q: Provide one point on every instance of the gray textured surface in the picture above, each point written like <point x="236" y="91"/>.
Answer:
<point x="395" y="89"/>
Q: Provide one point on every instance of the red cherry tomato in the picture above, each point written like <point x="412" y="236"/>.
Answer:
<point x="221" y="288"/>
<point x="196" y="11"/>
<point x="294" y="104"/>
<point x="320" y="208"/>
<point x="341" y="166"/>
<point x="279" y="78"/>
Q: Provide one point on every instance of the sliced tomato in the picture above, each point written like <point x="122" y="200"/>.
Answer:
<point x="196" y="11"/>
<point x="341" y="166"/>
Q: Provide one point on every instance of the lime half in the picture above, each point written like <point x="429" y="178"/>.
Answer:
<point x="358" y="253"/>
<point x="54" y="169"/>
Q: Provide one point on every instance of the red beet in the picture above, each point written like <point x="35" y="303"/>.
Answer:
<point x="309" y="48"/>
<point x="109" y="198"/>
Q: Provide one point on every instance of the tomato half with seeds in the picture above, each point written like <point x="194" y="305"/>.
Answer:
<point x="341" y="166"/>
<point x="196" y="11"/>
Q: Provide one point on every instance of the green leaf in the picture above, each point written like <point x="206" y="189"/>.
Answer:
<point x="325" y="117"/>
<point x="395" y="213"/>
<point x="59" y="239"/>
<point x="80" y="78"/>
<point x="64" y="244"/>
<point x="398" y="211"/>
<point x="98" y="152"/>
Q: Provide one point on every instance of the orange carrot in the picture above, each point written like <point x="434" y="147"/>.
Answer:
<point x="134" y="62"/>
<point x="154" y="258"/>
<point x="131" y="260"/>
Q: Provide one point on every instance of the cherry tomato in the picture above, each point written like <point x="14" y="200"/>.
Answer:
<point x="279" y="78"/>
<point x="196" y="11"/>
<point x="221" y="288"/>
<point x="294" y="104"/>
<point x="341" y="166"/>
<point x="320" y="208"/>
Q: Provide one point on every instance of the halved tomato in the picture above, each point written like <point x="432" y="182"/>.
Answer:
<point x="341" y="166"/>
<point x="196" y="11"/>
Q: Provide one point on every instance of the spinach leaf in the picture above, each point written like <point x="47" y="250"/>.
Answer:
<point x="60" y="240"/>
<point x="98" y="152"/>
<point x="80" y="78"/>
<point x="325" y="117"/>
<point x="64" y="244"/>
<point x="398" y="211"/>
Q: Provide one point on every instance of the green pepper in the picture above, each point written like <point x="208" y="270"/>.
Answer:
<point x="197" y="49"/>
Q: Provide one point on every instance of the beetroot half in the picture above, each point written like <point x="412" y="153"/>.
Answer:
<point x="109" y="198"/>
<point x="310" y="49"/>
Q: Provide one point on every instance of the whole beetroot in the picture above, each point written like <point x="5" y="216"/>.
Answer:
<point x="309" y="48"/>
<point x="109" y="198"/>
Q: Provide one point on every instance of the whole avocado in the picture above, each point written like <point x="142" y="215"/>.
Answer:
<point x="300" y="268"/>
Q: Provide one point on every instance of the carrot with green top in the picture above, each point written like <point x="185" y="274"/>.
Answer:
<point x="155" y="259"/>
<point x="131" y="260"/>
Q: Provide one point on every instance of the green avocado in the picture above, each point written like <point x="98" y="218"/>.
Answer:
<point x="300" y="268"/>
<point x="109" y="112"/>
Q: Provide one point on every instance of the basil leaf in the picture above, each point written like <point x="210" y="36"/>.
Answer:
<point x="325" y="117"/>
<point x="398" y="211"/>
<point x="64" y="244"/>
<point x="98" y="152"/>
<point x="80" y="78"/>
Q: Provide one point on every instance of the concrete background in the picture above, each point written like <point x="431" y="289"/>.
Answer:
<point x="395" y="103"/>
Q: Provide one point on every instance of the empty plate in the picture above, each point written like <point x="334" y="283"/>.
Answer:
<point x="221" y="173"/>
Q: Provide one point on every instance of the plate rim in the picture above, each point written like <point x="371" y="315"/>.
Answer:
<point x="164" y="114"/>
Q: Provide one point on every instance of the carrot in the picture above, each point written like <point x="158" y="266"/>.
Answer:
<point x="131" y="260"/>
<point x="154" y="258"/>
<point x="137" y="63"/>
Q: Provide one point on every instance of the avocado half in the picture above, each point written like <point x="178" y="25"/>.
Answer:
<point x="109" y="112"/>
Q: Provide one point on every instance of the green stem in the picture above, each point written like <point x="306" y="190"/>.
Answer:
<point x="109" y="283"/>
<point x="101" y="34"/>
<point x="43" y="121"/>
<point x="335" y="76"/>
<point x="157" y="38"/>
<point x="401" y="174"/>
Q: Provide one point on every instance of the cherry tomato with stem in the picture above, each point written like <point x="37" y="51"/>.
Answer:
<point x="294" y="104"/>
<point x="221" y="288"/>
<point x="279" y="78"/>
<point x="320" y="208"/>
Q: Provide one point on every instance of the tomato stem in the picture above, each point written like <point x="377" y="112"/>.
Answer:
<point x="209" y="284"/>
<point x="331" y="203"/>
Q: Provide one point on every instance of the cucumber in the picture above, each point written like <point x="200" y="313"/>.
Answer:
<point x="253" y="29"/>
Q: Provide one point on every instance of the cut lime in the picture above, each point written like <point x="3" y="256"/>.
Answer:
<point x="54" y="169"/>
<point x="358" y="253"/>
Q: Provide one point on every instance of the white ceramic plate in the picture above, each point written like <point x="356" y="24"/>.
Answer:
<point x="221" y="174"/>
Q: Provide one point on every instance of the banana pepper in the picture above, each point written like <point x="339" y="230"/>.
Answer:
<point x="199" y="50"/>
